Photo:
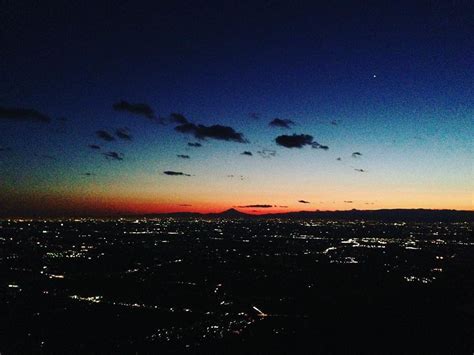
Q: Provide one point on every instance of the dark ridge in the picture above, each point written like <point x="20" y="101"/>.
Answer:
<point x="386" y="215"/>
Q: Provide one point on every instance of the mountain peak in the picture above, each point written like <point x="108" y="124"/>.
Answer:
<point x="232" y="212"/>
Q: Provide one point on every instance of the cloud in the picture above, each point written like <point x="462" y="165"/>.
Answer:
<point x="278" y="122"/>
<point x="283" y="206"/>
<point x="246" y="153"/>
<point x="23" y="115"/>
<point x="113" y="155"/>
<point x="348" y="201"/>
<point x="360" y="170"/>
<point x="256" y="206"/>
<point x="298" y="141"/>
<point x="267" y="153"/>
<point x="196" y="144"/>
<point x="335" y="122"/>
<point x="178" y="118"/>
<point x="88" y="174"/>
<point x="106" y="136"/>
<point x="303" y="201"/>
<point x="183" y="156"/>
<point x="5" y="149"/>
<point x="218" y="132"/>
<point x="175" y="173"/>
<point x="339" y="159"/>
<point x="94" y="146"/>
<point x="316" y="145"/>
<point x="254" y="115"/>
<point x="137" y="109"/>
<point x="123" y="133"/>
<point x="356" y="154"/>
<point x="184" y="205"/>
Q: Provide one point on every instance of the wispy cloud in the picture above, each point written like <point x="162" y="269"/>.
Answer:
<point x="356" y="154"/>
<point x="217" y="132"/>
<point x="267" y="153"/>
<point x="94" y="146"/>
<point x="178" y="118"/>
<point x="195" y="144"/>
<point x="123" y="133"/>
<point x="183" y="156"/>
<point x="282" y="123"/>
<point x="175" y="173"/>
<point x="256" y="206"/>
<point x="113" y="155"/>
<point x="104" y="135"/>
<point x="23" y="115"/>
<point x="246" y="153"/>
<point x="140" y="109"/>
<point x="303" y="201"/>
<point x="360" y="170"/>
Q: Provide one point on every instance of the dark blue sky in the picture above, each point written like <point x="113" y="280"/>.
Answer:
<point x="396" y="78"/>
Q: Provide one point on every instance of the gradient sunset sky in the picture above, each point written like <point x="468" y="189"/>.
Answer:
<point x="277" y="106"/>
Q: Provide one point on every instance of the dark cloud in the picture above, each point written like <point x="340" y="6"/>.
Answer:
<point x="254" y="115"/>
<point x="88" y="174"/>
<point x="356" y="154"/>
<point x="316" y="145"/>
<point x="178" y="118"/>
<point x="294" y="141"/>
<point x="137" y="109"/>
<point x="183" y="156"/>
<point x="283" y="206"/>
<point x="348" y="201"/>
<point x="246" y="153"/>
<point x="218" y="132"/>
<point x="196" y="144"/>
<point x="184" y="205"/>
<point x="339" y="159"/>
<point x="106" y="136"/>
<point x="256" y="206"/>
<point x="123" y="133"/>
<point x="113" y="155"/>
<point x="94" y="146"/>
<point x="335" y="122"/>
<point x="360" y="170"/>
<point x="175" y="173"/>
<point x="23" y="115"/>
<point x="278" y="122"/>
<point x="303" y="201"/>
<point x="267" y="153"/>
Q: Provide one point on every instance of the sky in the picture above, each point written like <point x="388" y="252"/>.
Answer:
<point x="141" y="107"/>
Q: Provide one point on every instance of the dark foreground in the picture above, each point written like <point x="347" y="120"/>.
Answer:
<point x="236" y="286"/>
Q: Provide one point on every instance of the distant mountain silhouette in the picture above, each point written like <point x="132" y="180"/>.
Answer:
<point x="387" y="215"/>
